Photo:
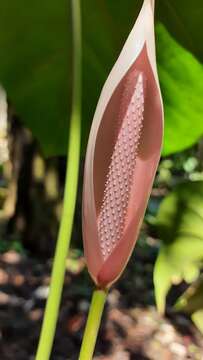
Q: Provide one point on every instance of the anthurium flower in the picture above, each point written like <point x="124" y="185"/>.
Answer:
<point x="122" y="154"/>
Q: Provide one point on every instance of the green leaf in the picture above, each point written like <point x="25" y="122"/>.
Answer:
<point x="192" y="299"/>
<point x="180" y="227"/>
<point x="191" y="302"/>
<point x="197" y="318"/>
<point x="183" y="19"/>
<point x="35" y="65"/>
<point x="181" y="80"/>
<point x="164" y="272"/>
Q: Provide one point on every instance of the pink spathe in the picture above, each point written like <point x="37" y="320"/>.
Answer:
<point x="123" y="154"/>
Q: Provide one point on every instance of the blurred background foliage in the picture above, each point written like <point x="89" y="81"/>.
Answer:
<point x="35" y="64"/>
<point x="36" y="72"/>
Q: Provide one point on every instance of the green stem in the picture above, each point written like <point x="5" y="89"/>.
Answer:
<point x="93" y="324"/>
<point x="70" y="193"/>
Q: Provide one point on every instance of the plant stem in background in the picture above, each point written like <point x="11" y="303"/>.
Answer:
<point x="70" y="193"/>
<point x="93" y="323"/>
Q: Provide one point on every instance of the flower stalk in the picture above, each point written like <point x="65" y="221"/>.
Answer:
<point x="93" y="324"/>
<point x="70" y="193"/>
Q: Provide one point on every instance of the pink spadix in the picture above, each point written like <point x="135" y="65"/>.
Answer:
<point x="112" y="216"/>
<point x="123" y="154"/>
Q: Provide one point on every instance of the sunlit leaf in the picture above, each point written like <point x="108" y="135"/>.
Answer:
<point x="163" y="274"/>
<point x="197" y="318"/>
<point x="181" y="78"/>
<point x="191" y="302"/>
<point x="180" y="227"/>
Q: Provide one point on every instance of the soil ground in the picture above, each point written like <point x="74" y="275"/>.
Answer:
<point x="131" y="327"/>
